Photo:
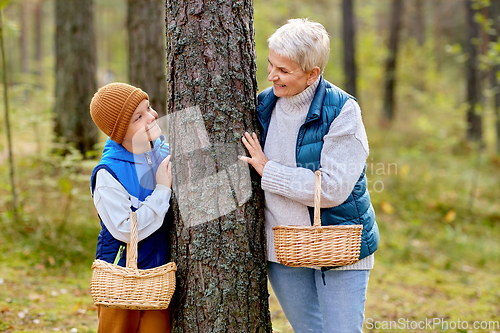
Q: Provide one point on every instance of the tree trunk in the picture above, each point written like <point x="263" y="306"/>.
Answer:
<point x="23" y="9"/>
<point x="349" y="35"/>
<point x="218" y="238"/>
<point x="438" y="33"/>
<point x="495" y="84"/>
<point x="390" y="69"/>
<point x="75" y="73"/>
<point x="38" y="29"/>
<point x="145" y="25"/>
<point x="419" y="22"/>
<point x="5" y="84"/>
<point x="474" y="121"/>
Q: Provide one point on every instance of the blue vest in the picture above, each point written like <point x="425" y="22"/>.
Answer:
<point x="325" y="107"/>
<point x="136" y="172"/>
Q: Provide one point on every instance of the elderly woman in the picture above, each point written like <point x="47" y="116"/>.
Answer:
<point x="310" y="124"/>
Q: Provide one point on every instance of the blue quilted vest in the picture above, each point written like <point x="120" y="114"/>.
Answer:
<point x="325" y="107"/>
<point x="136" y="172"/>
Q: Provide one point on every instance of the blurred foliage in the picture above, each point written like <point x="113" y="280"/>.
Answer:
<point x="435" y="195"/>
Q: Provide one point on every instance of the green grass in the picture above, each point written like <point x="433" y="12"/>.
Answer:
<point x="35" y="299"/>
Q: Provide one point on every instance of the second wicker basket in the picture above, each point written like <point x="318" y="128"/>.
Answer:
<point x="324" y="246"/>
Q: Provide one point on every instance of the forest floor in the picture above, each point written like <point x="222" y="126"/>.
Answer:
<point x="36" y="299"/>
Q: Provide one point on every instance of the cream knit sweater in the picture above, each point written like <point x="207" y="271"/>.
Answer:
<point x="290" y="190"/>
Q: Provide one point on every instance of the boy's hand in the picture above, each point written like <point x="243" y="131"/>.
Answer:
<point x="164" y="172"/>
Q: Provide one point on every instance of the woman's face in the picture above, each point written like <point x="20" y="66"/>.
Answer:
<point x="287" y="76"/>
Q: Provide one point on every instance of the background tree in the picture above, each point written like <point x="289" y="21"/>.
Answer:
<point x="145" y="26"/>
<point x="474" y="120"/>
<point x="38" y="29"/>
<point x="23" y="6"/>
<point x="349" y="37"/>
<point x="211" y="80"/>
<point x="390" y="66"/>
<point x="437" y="33"/>
<point x="75" y="73"/>
<point x="495" y="84"/>
<point x="417" y="25"/>
<point x="6" y="117"/>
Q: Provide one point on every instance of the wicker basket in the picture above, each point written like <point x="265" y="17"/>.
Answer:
<point x="324" y="246"/>
<point x="129" y="287"/>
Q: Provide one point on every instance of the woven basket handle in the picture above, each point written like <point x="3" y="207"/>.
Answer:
<point x="317" y="199"/>
<point x="132" y="246"/>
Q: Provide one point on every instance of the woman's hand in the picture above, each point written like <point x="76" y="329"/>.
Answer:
<point x="258" y="159"/>
<point x="164" y="172"/>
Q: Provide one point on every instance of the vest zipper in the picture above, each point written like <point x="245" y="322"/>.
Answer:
<point x="148" y="159"/>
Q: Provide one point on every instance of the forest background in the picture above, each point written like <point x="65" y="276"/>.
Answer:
<point x="435" y="191"/>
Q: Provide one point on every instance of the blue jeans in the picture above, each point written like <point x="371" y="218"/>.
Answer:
<point x="311" y="304"/>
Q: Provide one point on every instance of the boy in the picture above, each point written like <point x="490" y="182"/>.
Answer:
<point x="134" y="174"/>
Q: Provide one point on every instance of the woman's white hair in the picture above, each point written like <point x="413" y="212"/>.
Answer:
<point x="303" y="41"/>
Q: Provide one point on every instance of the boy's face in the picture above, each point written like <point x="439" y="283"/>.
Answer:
<point x="142" y="128"/>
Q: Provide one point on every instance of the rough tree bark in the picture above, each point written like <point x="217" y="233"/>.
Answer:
<point x="145" y="25"/>
<point x="390" y="69"/>
<point x="75" y="73"/>
<point x="218" y="239"/>
<point x="474" y="120"/>
<point x="349" y="35"/>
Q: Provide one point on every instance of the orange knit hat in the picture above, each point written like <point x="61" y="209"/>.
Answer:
<point x="112" y="107"/>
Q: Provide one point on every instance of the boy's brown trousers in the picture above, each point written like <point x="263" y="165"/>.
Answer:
<point x="113" y="320"/>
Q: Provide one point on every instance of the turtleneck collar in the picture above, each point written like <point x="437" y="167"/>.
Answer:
<point x="301" y="101"/>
